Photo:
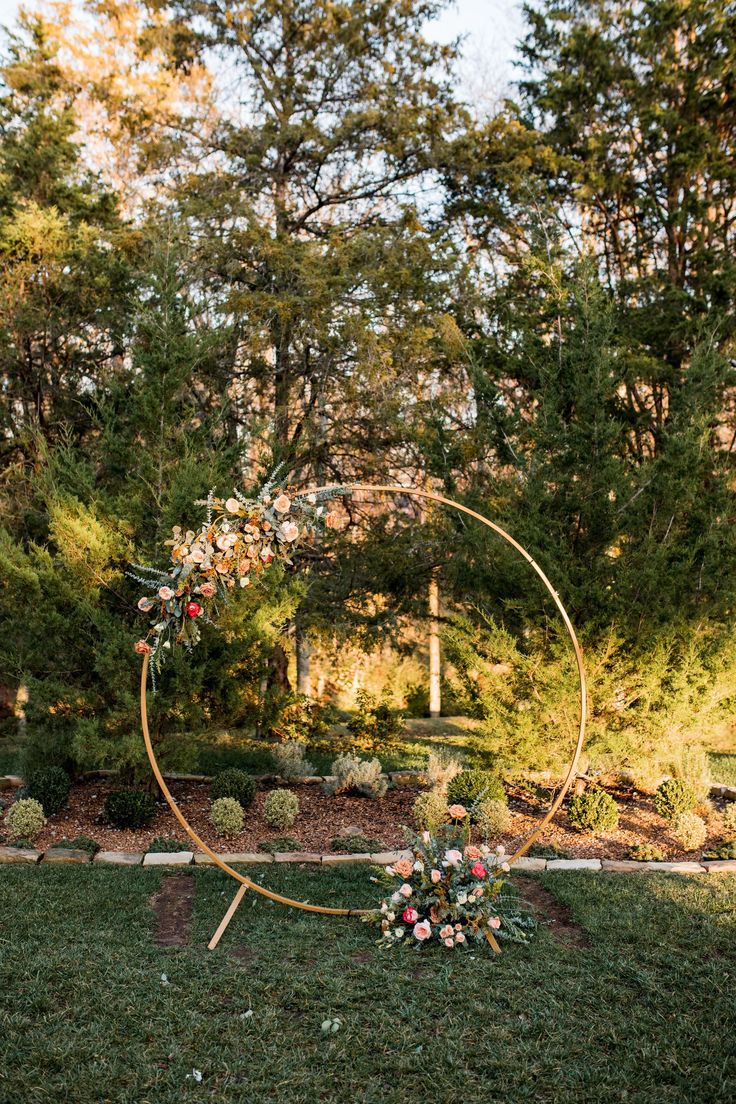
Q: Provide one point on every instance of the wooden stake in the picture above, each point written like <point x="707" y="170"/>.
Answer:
<point x="227" y="918"/>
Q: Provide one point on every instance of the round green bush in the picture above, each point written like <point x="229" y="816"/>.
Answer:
<point x="430" y="811"/>
<point x="593" y="811"/>
<point x="235" y="783"/>
<point x="492" y="817"/>
<point x="690" y="830"/>
<point x="25" y="818"/>
<point x="227" y="816"/>
<point x="280" y="809"/>
<point x="470" y="786"/>
<point x="130" y="808"/>
<point x="674" y="796"/>
<point x="646" y="852"/>
<point x="50" y="786"/>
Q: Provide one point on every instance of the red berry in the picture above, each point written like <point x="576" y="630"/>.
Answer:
<point x="193" y="609"/>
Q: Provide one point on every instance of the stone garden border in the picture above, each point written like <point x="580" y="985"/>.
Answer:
<point x="523" y="865"/>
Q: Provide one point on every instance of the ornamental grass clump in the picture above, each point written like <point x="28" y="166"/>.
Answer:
<point x="593" y="811"/>
<point x="690" y="830"/>
<point x="430" y="811"/>
<point x="50" y="786"/>
<point x="290" y="760"/>
<point x="130" y="808"/>
<point x="472" y="786"/>
<point x="674" y="796"/>
<point x="25" y="818"/>
<point x="227" y="816"/>
<point x="236" y="783"/>
<point x="353" y="775"/>
<point x="442" y="767"/>
<point x="646" y="852"/>
<point x="280" y="809"/>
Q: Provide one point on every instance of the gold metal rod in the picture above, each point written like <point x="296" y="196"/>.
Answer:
<point x="242" y="890"/>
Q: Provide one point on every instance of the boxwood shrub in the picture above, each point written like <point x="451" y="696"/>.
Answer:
<point x="50" y="786"/>
<point x="235" y="783"/>
<point x="130" y="808"/>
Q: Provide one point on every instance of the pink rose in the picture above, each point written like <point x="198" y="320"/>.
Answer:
<point x="436" y="876"/>
<point x="447" y="931"/>
<point x="495" y="922"/>
<point x="207" y="590"/>
<point x="165" y="593"/>
<point x="282" y="504"/>
<point x="459" y="938"/>
<point x="145" y="604"/>
<point x="472" y="852"/>
<point x="405" y="890"/>
<point x="449" y="942"/>
<point x="422" y="930"/>
<point x="225" y="541"/>
<point x="478" y="870"/>
<point x="457" y="812"/>
<point x="290" y="531"/>
<point x="142" y="647"/>
<point x="410" y="915"/>
<point x="453" y="856"/>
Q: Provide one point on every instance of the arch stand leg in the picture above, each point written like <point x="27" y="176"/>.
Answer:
<point x="227" y="918"/>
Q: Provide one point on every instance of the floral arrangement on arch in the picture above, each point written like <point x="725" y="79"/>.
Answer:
<point x="452" y="893"/>
<point x="238" y="540"/>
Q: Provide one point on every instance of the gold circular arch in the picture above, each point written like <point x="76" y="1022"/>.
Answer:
<point x="245" y="882"/>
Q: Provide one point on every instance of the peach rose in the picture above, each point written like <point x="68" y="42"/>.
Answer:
<point x="447" y="931"/>
<point x="282" y="504"/>
<point x="165" y="593"/>
<point x="403" y="868"/>
<point x="233" y="506"/>
<point x="225" y="541"/>
<point x="207" y="590"/>
<point x="405" y="890"/>
<point x="145" y="604"/>
<point x="449" y="942"/>
<point x="457" y="812"/>
<point x="472" y="852"/>
<point x="459" y="938"/>
<point x="495" y="922"/>
<point x="142" y="647"/>
<point x="290" y="531"/>
<point x="422" y="930"/>
<point x="435" y="876"/>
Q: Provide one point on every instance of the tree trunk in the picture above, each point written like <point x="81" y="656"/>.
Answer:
<point x="303" y="657"/>
<point x="435" y="693"/>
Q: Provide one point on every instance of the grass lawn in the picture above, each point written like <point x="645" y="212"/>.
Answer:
<point x="645" y="1013"/>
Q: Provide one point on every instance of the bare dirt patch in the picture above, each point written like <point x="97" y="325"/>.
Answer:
<point x="549" y="911"/>
<point x="173" y="905"/>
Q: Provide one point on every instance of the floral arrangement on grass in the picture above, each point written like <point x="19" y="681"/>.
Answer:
<point x="450" y="893"/>
<point x="240" y="537"/>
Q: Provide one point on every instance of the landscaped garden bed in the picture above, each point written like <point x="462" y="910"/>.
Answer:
<point x="324" y="818"/>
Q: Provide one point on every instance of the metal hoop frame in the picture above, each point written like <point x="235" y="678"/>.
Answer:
<point x="245" y="882"/>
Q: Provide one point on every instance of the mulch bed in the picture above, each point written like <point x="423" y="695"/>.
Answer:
<point x="321" y="818"/>
<point x="173" y="906"/>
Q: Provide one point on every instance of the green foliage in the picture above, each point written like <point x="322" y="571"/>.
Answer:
<point x="280" y="809"/>
<point x="25" y="818"/>
<point x="168" y="844"/>
<point x="646" y="852"/>
<point x="593" y="811"/>
<point x="51" y="786"/>
<point x="130" y="808"/>
<point x="442" y="767"/>
<point x="359" y="776"/>
<point x="356" y="845"/>
<point x="470" y="787"/>
<point x="234" y="783"/>
<point x="689" y="830"/>
<point x="430" y="811"/>
<point x="729" y="820"/>
<point x="492" y="817"/>
<point x="79" y="843"/>
<point x="375" y="727"/>
<point x="674" y="796"/>
<point x="280" y="843"/>
<point x="227" y="816"/>
<point x="290" y="761"/>
<point x="548" y="851"/>
<point x="725" y="850"/>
